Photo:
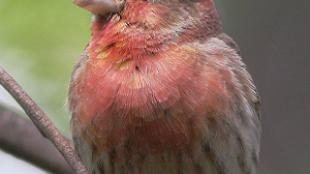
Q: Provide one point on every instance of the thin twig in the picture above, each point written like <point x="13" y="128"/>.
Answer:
<point x="19" y="137"/>
<point x="42" y="122"/>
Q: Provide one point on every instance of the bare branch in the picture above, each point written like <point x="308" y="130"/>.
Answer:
<point x="19" y="137"/>
<point x="42" y="122"/>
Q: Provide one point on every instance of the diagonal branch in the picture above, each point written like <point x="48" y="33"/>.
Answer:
<point x="42" y="122"/>
<point x="19" y="137"/>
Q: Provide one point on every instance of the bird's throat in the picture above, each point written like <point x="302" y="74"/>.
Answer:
<point x="126" y="37"/>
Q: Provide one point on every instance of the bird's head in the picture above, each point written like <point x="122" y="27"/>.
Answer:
<point x="143" y="28"/>
<point x="158" y="14"/>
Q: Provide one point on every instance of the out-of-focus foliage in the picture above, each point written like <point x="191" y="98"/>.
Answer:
<point x="39" y="43"/>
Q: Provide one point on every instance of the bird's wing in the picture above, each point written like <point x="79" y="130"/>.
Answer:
<point x="229" y="41"/>
<point x="236" y="127"/>
<point x="232" y="44"/>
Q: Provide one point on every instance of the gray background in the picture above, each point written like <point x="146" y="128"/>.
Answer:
<point x="275" y="44"/>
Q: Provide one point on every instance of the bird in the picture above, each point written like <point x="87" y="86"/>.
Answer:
<point x="160" y="88"/>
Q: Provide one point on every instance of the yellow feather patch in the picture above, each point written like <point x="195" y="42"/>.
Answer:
<point x="102" y="55"/>
<point x="123" y="64"/>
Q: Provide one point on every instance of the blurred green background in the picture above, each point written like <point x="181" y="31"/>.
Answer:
<point x="39" y="43"/>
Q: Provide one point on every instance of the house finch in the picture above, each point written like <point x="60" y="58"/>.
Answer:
<point x="160" y="89"/>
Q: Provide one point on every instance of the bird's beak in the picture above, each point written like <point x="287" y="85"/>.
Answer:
<point x="101" y="7"/>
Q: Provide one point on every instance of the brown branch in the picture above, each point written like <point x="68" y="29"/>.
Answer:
<point x="42" y="122"/>
<point x="19" y="137"/>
